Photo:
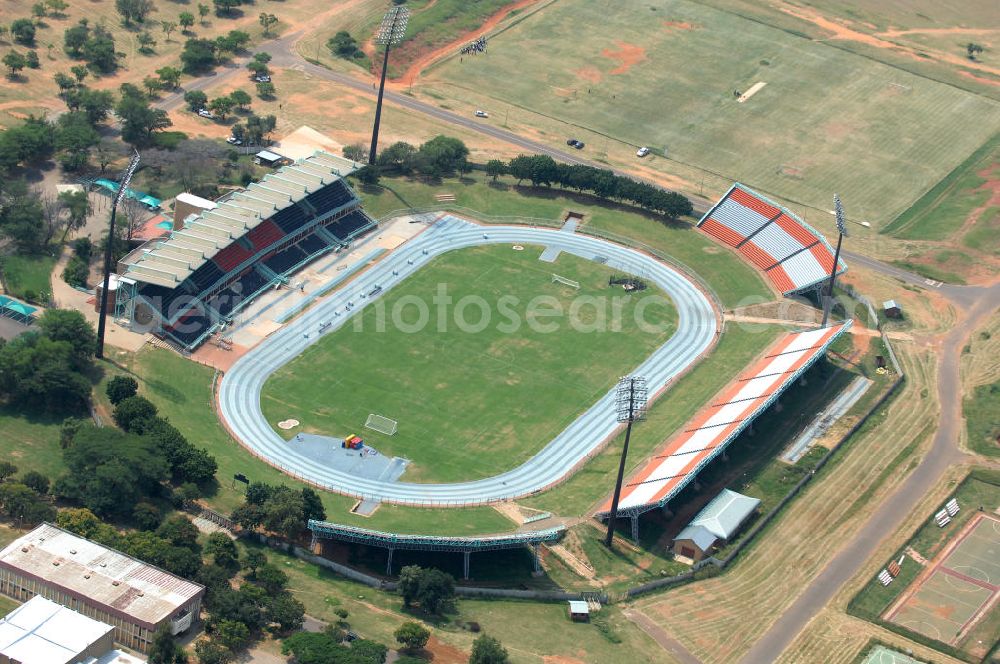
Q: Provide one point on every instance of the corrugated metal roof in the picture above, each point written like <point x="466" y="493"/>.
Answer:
<point x="724" y="515"/>
<point x="699" y="535"/>
<point x="233" y="217"/>
<point x="104" y="576"/>
<point x="41" y="631"/>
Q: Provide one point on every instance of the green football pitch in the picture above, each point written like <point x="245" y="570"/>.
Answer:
<point x="476" y="399"/>
<point x="664" y="75"/>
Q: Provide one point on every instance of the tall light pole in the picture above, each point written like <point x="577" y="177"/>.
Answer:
<point x="390" y="32"/>
<point x="838" y="210"/>
<point x="123" y="183"/>
<point x="630" y="406"/>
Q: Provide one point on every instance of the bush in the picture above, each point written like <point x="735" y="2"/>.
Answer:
<point x="120" y="388"/>
<point x="83" y="249"/>
<point x="76" y="273"/>
<point x="131" y="412"/>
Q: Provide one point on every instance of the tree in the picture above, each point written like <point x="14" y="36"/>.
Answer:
<point x="36" y="481"/>
<point x="139" y="120"/>
<point x="134" y="10"/>
<point x="168" y="27"/>
<point x="64" y="82"/>
<point x="972" y="49"/>
<point x="179" y="531"/>
<point x="258" y="68"/>
<point x="409" y="583"/>
<point x="266" y="90"/>
<point x="232" y="635"/>
<point x="198" y="56"/>
<point x="195" y="99"/>
<point x="398" y="157"/>
<point x="312" y="505"/>
<point x="146" y="42"/>
<point x="487" y="650"/>
<point x="283" y="512"/>
<point x="495" y="168"/>
<point x="23" y="31"/>
<point x="249" y="517"/>
<point x="146" y="516"/>
<point x="107" y="151"/>
<point x="369" y="652"/>
<point x="120" y="388"/>
<point x="221" y="106"/>
<point x="356" y="152"/>
<point x="267" y="21"/>
<point x="74" y="38"/>
<point x="152" y="84"/>
<point x="132" y="413"/>
<point x="38" y="10"/>
<point x="57" y="6"/>
<point x="203" y="11"/>
<point x="271" y="579"/>
<point x="79" y="71"/>
<point x="412" y="635"/>
<point x="99" y="50"/>
<point x="74" y="137"/>
<point x="31" y="59"/>
<point x="7" y="469"/>
<point x="15" y="62"/>
<point x="241" y="98"/>
<point x="225" y="6"/>
<point x="368" y="174"/>
<point x="164" y="648"/>
<point x="71" y="327"/>
<point x="232" y="41"/>
<point x="97" y="104"/>
<point x="223" y="551"/>
<point x="186" y="20"/>
<point x="24" y="504"/>
<point x="435" y="590"/>
<point x="254" y="560"/>
<point x="442" y="155"/>
<point x="343" y="45"/>
<point x="286" y="611"/>
<point x="169" y="77"/>
<point x="77" y="206"/>
<point x="210" y="652"/>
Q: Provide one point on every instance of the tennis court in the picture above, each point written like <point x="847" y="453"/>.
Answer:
<point x="951" y="598"/>
<point x="882" y="655"/>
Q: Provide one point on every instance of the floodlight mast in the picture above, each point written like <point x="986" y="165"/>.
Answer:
<point x="390" y="32"/>
<point x="123" y="183"/>
<point x="630" y="406"/>
<point x="838" y="210"/>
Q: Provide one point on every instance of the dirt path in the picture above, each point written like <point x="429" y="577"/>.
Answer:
<point x="656" y="633"/>
<point x="424" y="61"/>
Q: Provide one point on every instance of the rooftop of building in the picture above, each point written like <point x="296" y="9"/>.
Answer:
<point x="723" y="516"/>
<point x="124" y="585"/>
<point x="41" y="631"/>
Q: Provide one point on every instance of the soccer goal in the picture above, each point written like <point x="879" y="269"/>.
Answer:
<point x="381" y="424"/>
<point x="556" y="279"/>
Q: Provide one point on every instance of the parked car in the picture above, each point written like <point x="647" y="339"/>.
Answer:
<point x="642" y="152"/>
<point x="232" y="140"/>
<point x="262" y="78"/>
<point x="482" y="114"/>
<point x="575" y="143"/>
<point x="205" y="113"/>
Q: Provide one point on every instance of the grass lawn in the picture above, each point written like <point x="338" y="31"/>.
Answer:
<point x="732" y="280"/>
<point x="472" y="402"/>
<point x="530" y="631"/>
<point x="182" y="390"/>
<point x="940" y="213"/>
<point x="981" y="421"/>
<point x="27" y="277"/>
<point x="30" y="442"/>
<point x="827" y="120"/>
<point x="735" y="350"/>
<point x="980" y="487"/>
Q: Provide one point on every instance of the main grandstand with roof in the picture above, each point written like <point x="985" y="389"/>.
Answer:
<point x="196" y="279"/>
<point x="790" y="252"/>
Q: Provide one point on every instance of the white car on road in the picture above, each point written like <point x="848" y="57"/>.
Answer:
<point x="642" y="152"/>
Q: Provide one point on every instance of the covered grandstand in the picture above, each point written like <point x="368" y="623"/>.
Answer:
<point x="677" y="463"/>
<point x="464" y="545"/>
<point x="193" y="281"/>
<point x="793" y="255"/>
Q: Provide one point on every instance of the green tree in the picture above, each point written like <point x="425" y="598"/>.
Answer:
<point x="23" y="31"/>
<point x="267" y="21"/>
<point x="134" y="10"/>
<point x="64" y="82"/>
<point x="195" y="99"/>
<point x="97" y="104"/>
<point x="99" y="51"/>
<point x="58" y="7"/>
<point x="164" y="648"/>
<point x="168" y="27"/>
<point x="36" y="481"/>
<point x="186" y="20"/>
<point x="972" y="49"/>
<point x="369" y="652"/>
<point x="253" y="561"/>
<point x="412" y="636"/>
<point x="241" y="98"/>
<point x="74" y="38"/>
<point x="284" y="512"/>
<point x="31" y="59"/>
<point x="221" y="106"/>
<point x="38" y="10"/>
<point x="146" y="42"/>
<point x="210" y="652"/>
<point x="495" y="168"/>
<point x="312" y="505"/>
<point x="179" y="531"/>
<point x="15" y="62"/>
<point x="71" y="327"/>
<point x="248" y="516"/>
<point x="7" y="469"/>
<point x="409" y="583"/>
<point x="79" y="71"/>
<point x="271" y="579"/>
<point x="398" y="157"/>
<point x="24" y="505"/>
<point x="139" y="120"/>
<point x="203" y="11"/>
<point x="133" y="413"/>
<point x="487" y="650"/>
<point x="285" y="611"/>
<point x="120" y="388"/>
<point x="357" y="152"/>
<point x="169" y="77"/>
<point x="232" y="635"/>
<point x="223" y="551"/>
<point x="198" y="56"/>
<point x="232" y="41"/>
<point x="225" y="7"/>
<point x="152" y="84"/>
<point x="343" y="45"/>
<point x="266" y="90"/>
<point x="146" y="516"/>
<point x="442" y="155"/>
<point x="74" y="138"/>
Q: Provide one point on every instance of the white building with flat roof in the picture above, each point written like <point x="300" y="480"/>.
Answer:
<point x="134" y="597"/>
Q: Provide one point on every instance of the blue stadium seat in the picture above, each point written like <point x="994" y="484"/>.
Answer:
<point x="350" y="224"/>
<point x="330" y="197"/>
<point x="285" y="259"/>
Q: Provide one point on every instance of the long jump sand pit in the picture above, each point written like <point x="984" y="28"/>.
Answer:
<point x="960" y="587"/>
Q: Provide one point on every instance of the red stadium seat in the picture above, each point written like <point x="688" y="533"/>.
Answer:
<point x="757" y="256"/>
<point x="232" y="256"/>
<point x="749" y="200"/>
<point x="823" y="257"/>
<point x="796" y="230"/>
<point x="780" y="278"/>
<point x="265" y="235"/>
<point x="724" y="233"/>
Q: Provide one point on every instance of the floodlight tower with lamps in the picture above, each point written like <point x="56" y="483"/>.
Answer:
<point x="390" y="32"/>
<point x="838" y="210"/>
<point x="123" y="183"/>
<point x="630" y="406"/>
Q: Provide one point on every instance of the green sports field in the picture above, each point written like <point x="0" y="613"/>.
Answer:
<point x="664" y="75"/>
<point x="471" y="404"/>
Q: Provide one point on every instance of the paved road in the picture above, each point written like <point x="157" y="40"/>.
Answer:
<point x="943" y="453"/>
<point x="239" y="392"/>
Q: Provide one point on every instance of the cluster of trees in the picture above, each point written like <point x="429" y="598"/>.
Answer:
<point x="139" y="120"/>
<point x="95" y="46"/>
<point x="238" y="616"/>
<point x="543" y="170"/>
<point x="49" y="368"/>
<point x="77" y="270"/>
<point x="440" y="156"/>
<point x="343" y="45"/>
<point x="24" y="500"/>
<point x="328" y="647"/>
<point x="259" y="70"/>
<point x="15" y="62"/>
<point x="134" y="10"/>
<point x="278" y="509"/>
<point x="201" y="55"/>
<point x="431" y="589"/>
<point x="255" y="130"/>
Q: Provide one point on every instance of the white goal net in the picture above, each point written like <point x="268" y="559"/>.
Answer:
<point x="556" y="279"/>
<point x="381" y="424"/>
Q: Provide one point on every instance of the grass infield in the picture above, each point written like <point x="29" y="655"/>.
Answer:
<point x="473" y="402"/>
